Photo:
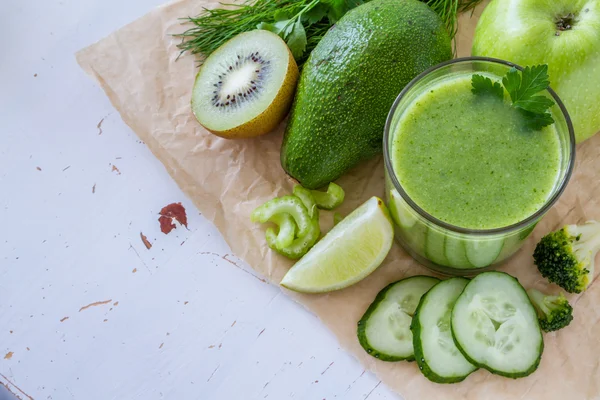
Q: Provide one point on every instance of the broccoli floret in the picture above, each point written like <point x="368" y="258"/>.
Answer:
<point x="554" y="312"/>
<point x="566" y="257"/>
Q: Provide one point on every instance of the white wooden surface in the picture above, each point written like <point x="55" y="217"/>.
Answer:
<point x="183" y="320"/>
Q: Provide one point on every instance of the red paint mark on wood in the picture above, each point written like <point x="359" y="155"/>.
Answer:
<point x="145" y="241"/>
<point x="10" y="384"/>
<point x="64" y="319"/>
<point x="38" y="168"/>
<point x="9" y="355"/>
<point x="97" y="303"/>
<point x="169" y="214"/>
<point x="94" y="188"/>
<point x="99" y="126"/>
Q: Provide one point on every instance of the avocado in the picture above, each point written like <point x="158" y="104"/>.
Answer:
<point x="350" y="82"/>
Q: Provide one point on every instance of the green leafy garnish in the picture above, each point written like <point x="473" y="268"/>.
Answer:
<point x="523" y="88"/>
<point x="301" y="23"/>
<point x="484" y="85"/>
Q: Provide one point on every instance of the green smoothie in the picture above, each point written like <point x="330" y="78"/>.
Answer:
<point x="469" y="160"/>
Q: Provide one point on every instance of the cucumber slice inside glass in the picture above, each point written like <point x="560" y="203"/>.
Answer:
<point x="495" y="326"/>
<point x="435" y="246"/>
<point x="456" y="253"/>
<point x="400" y="211"/>
<point x="436" y="354"/>
<point x="384" y="330"/>
<point x="482" y="253"/>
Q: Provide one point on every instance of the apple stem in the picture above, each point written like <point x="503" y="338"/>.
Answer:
<point x="565" y="23"/>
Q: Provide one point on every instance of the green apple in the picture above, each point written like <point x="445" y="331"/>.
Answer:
<point x="565" y="34"/>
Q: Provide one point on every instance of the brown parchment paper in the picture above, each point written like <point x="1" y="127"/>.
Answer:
<point x="136" y="67"/>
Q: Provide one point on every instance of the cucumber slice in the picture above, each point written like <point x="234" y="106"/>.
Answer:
<point x="484" y="252"/>
<point x="384" y="330"/>
<point x="437" y="356"/>
<point x="495" y="326"/>
<point x="456" y="253"/>
<point x="435" y="246"/>
<point x="400" y="211"/>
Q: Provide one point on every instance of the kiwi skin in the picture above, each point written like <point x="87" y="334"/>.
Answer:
<point x="268" y="120"/>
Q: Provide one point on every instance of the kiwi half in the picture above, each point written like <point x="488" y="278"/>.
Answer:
<point x="245" y="88"/>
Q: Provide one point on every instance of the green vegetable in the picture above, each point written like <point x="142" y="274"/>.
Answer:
<point x="356" y="73"/>
<point x="290" y="213"/>
<point x="307" y="199"/>
<point x="286" y="229"/>
<point x="286" y="204"/>
<point x="337" y="218"/>
<point x="301" y="23"/>
<point x="435" y="352"/>
<point x="554" y="312"/>
<point x="523" y="88"/>
<point x="384" y="330"/>
<point x="496" y="327"/>
<point x="300" y="246"/>
<point x="566" y="257"/>
<point x="330" y="199"/>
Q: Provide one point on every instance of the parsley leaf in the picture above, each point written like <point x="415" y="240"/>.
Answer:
<point x="484" y="85"/>
<point x="337" y="8"/>
<point x="523" y="88"/>
<point x="523" y="85"/>
<point x="282" y="28"/>
<point x="296" y="40"/>
<point x="537" y="121"/>
<point x="315" y="14"/>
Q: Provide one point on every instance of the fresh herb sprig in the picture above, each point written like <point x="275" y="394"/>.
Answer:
<point x="523" y="87"/>
<point x="301" y="23"/>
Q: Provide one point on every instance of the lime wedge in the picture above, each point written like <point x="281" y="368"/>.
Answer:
<point x="348" y="253"/>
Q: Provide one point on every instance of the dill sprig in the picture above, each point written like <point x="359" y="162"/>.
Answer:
<point x="448" y="10"/>
<point x="306" y="21"/>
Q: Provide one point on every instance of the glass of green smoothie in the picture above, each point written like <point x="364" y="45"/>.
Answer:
<point x="466" y="179"/>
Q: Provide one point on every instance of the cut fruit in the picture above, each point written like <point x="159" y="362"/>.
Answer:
<point x="348" y="253"/>
<point x="496" y="327"/>
<point x="436" y="354"/>
<point x="384" y="330"/>
<point x="245" y="88"/>
<point x="482" y="253"/>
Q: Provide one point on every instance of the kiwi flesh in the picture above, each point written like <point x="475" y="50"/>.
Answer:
<point x="246" y="87"/>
